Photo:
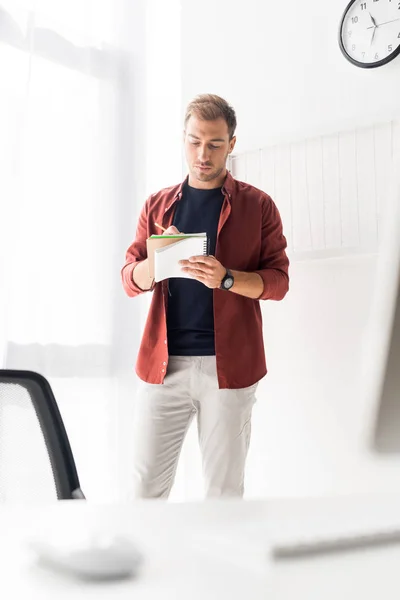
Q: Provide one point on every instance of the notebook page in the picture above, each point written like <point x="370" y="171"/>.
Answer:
<point x="166" y="260"/>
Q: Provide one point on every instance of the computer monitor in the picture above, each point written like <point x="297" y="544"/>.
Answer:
<point x="382" y="342"/>
<point x="387" y="424"/>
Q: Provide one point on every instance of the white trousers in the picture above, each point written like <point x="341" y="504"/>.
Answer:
<point x="162" y="418"/>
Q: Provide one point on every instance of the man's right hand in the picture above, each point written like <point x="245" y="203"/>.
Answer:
<point x="141" y="272"/>
<point x="172" y="231"/>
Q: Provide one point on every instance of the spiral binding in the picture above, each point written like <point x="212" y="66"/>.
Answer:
<point x="206" y="247"/>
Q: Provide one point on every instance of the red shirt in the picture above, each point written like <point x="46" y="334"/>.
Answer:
<point x="249" y="238"/>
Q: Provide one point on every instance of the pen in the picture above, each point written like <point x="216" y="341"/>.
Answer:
<point x="160" y="226"/>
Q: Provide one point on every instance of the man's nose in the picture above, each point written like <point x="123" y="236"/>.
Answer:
<point x="203" y="154"/>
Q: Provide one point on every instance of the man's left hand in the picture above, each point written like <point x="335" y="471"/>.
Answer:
<point x="206" y="269"/>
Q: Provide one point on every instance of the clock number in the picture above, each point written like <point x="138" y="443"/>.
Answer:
<point x="363" y="6"/>
<point x="353" y="47"/>
<point x="354" y="19"/>
<point x="376" y="56"/>
<point x="390" y="48"/>
<point x="363" y="54"/>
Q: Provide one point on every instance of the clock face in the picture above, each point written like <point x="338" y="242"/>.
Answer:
<point x="369" y="33"/>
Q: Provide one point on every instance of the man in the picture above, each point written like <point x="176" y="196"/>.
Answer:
<point x="202" y="350"/>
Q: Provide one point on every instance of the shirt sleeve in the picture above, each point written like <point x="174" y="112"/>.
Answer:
<point x="136" y="253"/>
<point x="274" y="263"/>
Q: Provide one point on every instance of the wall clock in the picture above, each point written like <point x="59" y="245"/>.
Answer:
<point x="369" y="33"/>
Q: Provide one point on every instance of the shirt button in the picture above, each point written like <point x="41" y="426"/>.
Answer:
<point x="164" y="363"/>
<point x="165" y="341"/>
<point x="162" y="370"/>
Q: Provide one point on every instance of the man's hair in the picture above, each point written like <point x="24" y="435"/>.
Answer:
<point x="209" y="107"/>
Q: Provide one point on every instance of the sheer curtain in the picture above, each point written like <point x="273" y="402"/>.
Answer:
<point x="69" y="198"/>
<point x="85" y="87"/>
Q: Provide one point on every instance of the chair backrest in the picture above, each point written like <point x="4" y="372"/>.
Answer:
<point x="36" y="461"/>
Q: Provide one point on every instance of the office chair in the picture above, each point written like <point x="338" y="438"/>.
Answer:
<point x="36" y="461"/>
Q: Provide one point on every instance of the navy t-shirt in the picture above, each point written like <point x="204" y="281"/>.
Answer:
<point x="190" y="317"/>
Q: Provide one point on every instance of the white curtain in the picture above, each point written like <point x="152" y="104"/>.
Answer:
<point x="68" y="199"/>
<point x="85" y="87"/>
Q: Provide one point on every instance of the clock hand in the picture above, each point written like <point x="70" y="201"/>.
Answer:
<point x="385" y="23"/>
<point x="373" y="35"/>
<point x="373" y="21"/>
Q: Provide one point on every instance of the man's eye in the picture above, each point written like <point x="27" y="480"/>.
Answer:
<point x="195" y="143"/>
<point x="214" y="147"/>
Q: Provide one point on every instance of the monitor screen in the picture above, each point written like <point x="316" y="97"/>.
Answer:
<point x="381" y="380"/>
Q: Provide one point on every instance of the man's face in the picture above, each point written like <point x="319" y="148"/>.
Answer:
<point x="207" y="147"/>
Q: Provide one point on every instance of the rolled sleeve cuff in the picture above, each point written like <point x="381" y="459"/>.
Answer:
<point x="130" y="286"/>
<point x="276" y="284"/>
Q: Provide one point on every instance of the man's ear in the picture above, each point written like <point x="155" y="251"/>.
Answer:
<point x="232" y="144"/>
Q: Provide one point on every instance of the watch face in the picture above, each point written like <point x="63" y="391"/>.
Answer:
<point x="369" y="33"/>
<point x="228" y="283"/>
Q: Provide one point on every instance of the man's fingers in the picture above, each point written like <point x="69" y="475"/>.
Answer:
<point x="207" y="260"/>
<point x="200" y="262"/>
<point x="193" y="271"/>
<point x="172" y="230"/>
<point x="198" y="267"/>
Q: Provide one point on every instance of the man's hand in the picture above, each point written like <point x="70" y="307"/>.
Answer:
<point x="141" y="275"/>
<point x="206" y="269"/>
<point x="171" y="231"/>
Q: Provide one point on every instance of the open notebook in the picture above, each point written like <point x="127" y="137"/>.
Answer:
<point x="166" y="251"/>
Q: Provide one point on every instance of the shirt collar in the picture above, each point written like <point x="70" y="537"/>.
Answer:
<point x="227" y="186"/>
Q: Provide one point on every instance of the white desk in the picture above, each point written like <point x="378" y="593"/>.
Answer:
<point x="215" y="550"/>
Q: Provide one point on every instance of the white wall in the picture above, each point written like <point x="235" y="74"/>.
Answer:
<point x="280" y="66"/>
<point x="163" y="91"/>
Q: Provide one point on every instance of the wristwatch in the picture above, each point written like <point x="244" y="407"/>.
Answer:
<point x="228" y="281"/>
